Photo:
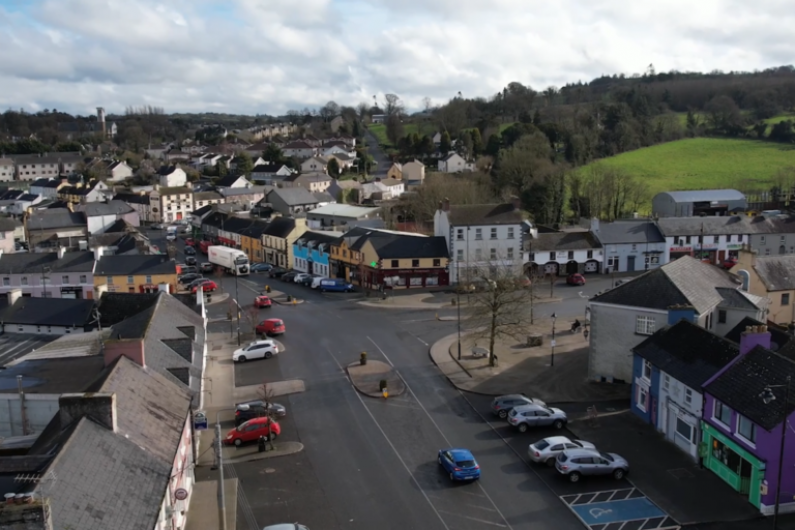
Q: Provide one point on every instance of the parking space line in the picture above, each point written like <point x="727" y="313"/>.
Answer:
<point x="474" y="519"/>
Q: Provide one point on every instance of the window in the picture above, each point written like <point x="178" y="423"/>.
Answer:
<point x="688" y="396"/>
<point x="396" y="263"/>
<point x="612" y="263"/>
<point x="687" y="240"/>
<point x="493" y="253"/>
<point x="746" y="428"/>
<point x="722" y="413"/>
<point x="478" y="233"/>
<point x="510" y="232"/>
<point x="646" y="374"/>
<point x="64" y="279"/>
<point x="24" y="280"/>
<point x="552" y="256"/>
<point x="110" y="280"/>
<point x="740" y="238"/>
<point x="437" y="262"/>
<point x="667" y="382"/>
<point x="785" y="299"/>
<point x="684" y="430"/>
<point x="459" y="255"/>
<point x="644" y="325"/>
<point x="767" y="252"/>
<point x="642" y="397"/>
<point x="478" y="254"/>
<point x="130" y="279"/>
<point x="83" y="278"/>
<point x="762" y="239"/>
<point x="571" y="254"/>
<point x="459" y="234"/>
<point x="6" y="281"/>
<point x="493" y="233"/>
<point x="148" y="279"/>
<point x="509" y="254"/>
<point x="729" y="238"/>
<point x="721" y="316"/>
<point x="415" y="263"/>
<point x="634" y="246"/>
<point x="716" y="239"/>
<point x="654" y="260"/>
<point x="783" y="239"/>
<point x="590" y="254"/>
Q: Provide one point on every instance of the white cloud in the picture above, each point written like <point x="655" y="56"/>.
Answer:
<point x="266" y="56"/>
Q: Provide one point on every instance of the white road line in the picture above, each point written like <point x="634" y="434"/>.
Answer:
<point x="575" y="500"/>
<point x="394" y="449"/>
<point x="475" y="519"/>
<point x="411" y="391"/>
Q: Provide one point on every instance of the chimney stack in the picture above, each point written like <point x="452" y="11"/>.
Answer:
<point x="13" y="296"/>
<point x="117" y="346"/>
<point x="446" y="205"/>
<point x="681" y="312"/>
<point x="517" y="203"/>
<point x="61" y="252"/>
<point x="595" y="225"/>
<point x="99" y="407"/>
<point x="754" y="336"/>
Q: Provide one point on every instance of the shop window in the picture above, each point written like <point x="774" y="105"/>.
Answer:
<point x="416" y="281"/>
<point x="726" y="456"/>
<point x="395" y="264"/>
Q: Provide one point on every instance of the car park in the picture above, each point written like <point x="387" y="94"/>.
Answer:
<point x="545" y="451"/>
<point x="459" y="464"/>
<point x="259" y="349"/>
<point x="258" y="409"/>
<point x="270" y="327"/>
<point x="263" y="301"/>
<point x="524" y="417"/>
<point x="575" y="279"/>
<point x="501" y="406"/>
<point x="576" y="463"/>
<point x="252" y="430"/>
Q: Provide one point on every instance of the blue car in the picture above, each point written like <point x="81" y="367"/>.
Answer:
<point x="459" y="463"/>
<point x="261" y="267"/>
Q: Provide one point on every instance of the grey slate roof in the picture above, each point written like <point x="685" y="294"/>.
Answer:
<point x="297" y="196"/>
<point x="8" y="225"/>
<point x="685" y="281"/>
<point x="735" y="298"/>
<point x="741" y="384"/>
<point x="55" y="218"/>
<point x="207" y="196"/>
<point x="280" y="227"/>
<point x="134" y="198"/>
<point x="705" y="195"/>
<point x="134" y="265"/>
<point x="484" y="214"/>
<point x="397" y="246"/>
<point x="778" y="336"/>
<point x="114" y="207"/>
<point x="33" y="262"/>
<point x="564" y="241"/>
<point x="725" y="225"/>
<point x="636" y="232"/>
<point x="688" y="353"/>
<point x="52" y="376"/>
<point x="49" y="312"/>
<point x="776" y="272"/>
<point x="323" y="196"/>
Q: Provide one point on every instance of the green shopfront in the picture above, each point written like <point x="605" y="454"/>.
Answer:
<point x="739" y="468"/>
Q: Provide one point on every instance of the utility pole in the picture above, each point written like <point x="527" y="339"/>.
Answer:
<point x="221" y="492"/>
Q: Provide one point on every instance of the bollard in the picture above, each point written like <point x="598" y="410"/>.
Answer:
<point x="363" y="358"/>
<point x="295" y="301"/>
<point x="289" y="298"/>
<point x="382" y="386"/>
<point x="267" y="288"/>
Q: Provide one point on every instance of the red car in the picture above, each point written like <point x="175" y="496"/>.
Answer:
<point x="189" y="241"/>
<point x="207" y="286"/>
<point x="728" y="263"/>
<point x="272" y="326"/>
<point x="252" y="430"/>
<point x="262" y="301"/>
<point x="575" y="279"/>
<point x="203" y="246"/>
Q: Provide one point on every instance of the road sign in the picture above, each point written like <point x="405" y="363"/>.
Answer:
<point x="200" y="421"/>
<point x="181" y="494"/>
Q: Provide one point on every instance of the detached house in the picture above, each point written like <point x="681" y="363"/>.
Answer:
<point x="172" y="176"/>
<point x="171" y="204"/>
<point x="455" y="163"/>
<point x="7" y="169"/>
<point x="413" y="171"/>
<point x="314" y="164"/>
<point x="299" y="149"/>
<point x="119" y="171"/>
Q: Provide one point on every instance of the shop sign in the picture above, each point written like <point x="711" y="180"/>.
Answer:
<point x="709" y="247"/>
<point x="734" y="246"/>
<point x="681" y="249"/>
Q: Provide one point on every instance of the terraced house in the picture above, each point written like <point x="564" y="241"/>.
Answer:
<point x="58" y="274"/>
<point x="312" y="252"/>
<point x="279" y="238"/>
<point x="135" y="274"/>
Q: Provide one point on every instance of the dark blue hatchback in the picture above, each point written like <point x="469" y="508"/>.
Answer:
<point x="459" y="464"/>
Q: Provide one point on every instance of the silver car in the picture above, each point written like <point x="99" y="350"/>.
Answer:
<point x="526" y="416"/>
<point x="576" y="463"/>
<point x="547" y="450"/>
<point x="502" y="405"/>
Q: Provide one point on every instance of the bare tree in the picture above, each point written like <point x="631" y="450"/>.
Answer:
<point x="392" y="105"/>
<point x="498" y="301"/>
<point x="427" y="104"/>
<point x="265" y="393"/>
<point x="362" y="109"/>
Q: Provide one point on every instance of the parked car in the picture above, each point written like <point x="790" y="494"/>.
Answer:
<point x="547" y="450"/>
<point x="271" y="326"/>
<point x="575" y="463"/>
<point x="288" y="276"/>
<point x="502" y="405"/>
<point x="190" y="251"/>
<point x="259" y="349"/>
<point x="277" y="272"/>
<point x="286" y="526"/>
<point x="316" y="281"/>
<point x="307" y="280"/>
<point x="575" y="279"/>
<point x="261" y="267"/>
<point x="196" y="282"/>
<point x="207" y="286"/>
<point x="460" y="464"/>
<point x="185" y="269"/>
<point x="728" y="263"/>
<point x="301" y="276"/>
<point x="262" y="301"/>
<point x="206" y="267"/>
<point x="252" y="430"/>
<point x="191" y="260"/>
<point x="335" y="284"/>
<point x="188" y="278"/>
<point x="189" y="242"/>
<point x="526" y="416"/>
<point x="257" y="409"/>
<point x="158" y="226"/>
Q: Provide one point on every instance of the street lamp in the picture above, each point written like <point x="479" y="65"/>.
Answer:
<point x="768" y="397"/>
<point x="552" y="357"/>
<point x="240" y="260"/>
<point x="458" y="305"/>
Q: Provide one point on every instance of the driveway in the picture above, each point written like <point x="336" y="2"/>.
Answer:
<point x="379" y="156"/>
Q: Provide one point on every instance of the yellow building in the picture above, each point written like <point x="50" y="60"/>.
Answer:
<point x="251" y="241"/>
<point x="135" y="274"/>
<point x="278" y="239"/>
<point x="770" y="277"/>
<point x="377" y="258"/>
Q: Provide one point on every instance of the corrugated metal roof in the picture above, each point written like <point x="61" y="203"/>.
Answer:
<point x="705" y="195"/>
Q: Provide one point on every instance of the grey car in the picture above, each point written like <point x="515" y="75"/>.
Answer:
<point x="502" y="405"/>
<point x="525" y="416"/>
<point x="547" y="450"/>
<point x="577" y="463"/>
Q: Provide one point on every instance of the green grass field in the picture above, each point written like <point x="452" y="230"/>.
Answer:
<point x="705" y="163"/>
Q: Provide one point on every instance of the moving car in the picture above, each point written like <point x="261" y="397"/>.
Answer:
<point x="262" y="301"/>
<point x="575" y="463"/>
<point x="547" y="450"/>
<point x="460" y="464"/>
<point x="191" y="260"/>
<point x="502" y="405"/>
<point x="257" y="409"/>
<point x="206" y="286"/>
<point x="259" y="349"/>
<point x="575" y="279"/>
<point x="189" y="278"/>
<point x="288" y="276"/>
<point x="206" y="267"/>
<point x="271" y="326"/>
<point x="277" y="272"/>
<point x="301" y="276"/>
<point x="526" y="416"/>
<point x="190" y="251"/>
<point x="252" y="430"/>
<point x="261" y="267"/>
<point x="189" y="242"/>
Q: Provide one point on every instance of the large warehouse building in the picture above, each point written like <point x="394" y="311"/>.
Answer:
<point x="697" y="202"/>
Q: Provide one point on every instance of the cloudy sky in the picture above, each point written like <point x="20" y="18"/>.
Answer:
<point x="268" y="56"/>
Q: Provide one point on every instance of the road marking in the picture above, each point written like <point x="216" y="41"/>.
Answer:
<point x="394" y="449"/>
<point x="411" y="391"/>
<point x="475" y="519"/>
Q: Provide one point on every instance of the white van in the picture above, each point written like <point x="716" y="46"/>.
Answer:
<point x="316" y="281"/>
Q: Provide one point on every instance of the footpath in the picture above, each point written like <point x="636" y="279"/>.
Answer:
<point x="439" y="300"/>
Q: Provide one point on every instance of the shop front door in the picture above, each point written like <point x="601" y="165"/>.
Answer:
<point x="630" y="263"/>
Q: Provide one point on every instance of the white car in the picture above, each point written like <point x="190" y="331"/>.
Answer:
<point x="301" y="276"/>
<point x="547" y="450"/>
<point x="259" y="349"/>
<point x="286" y="526"/>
